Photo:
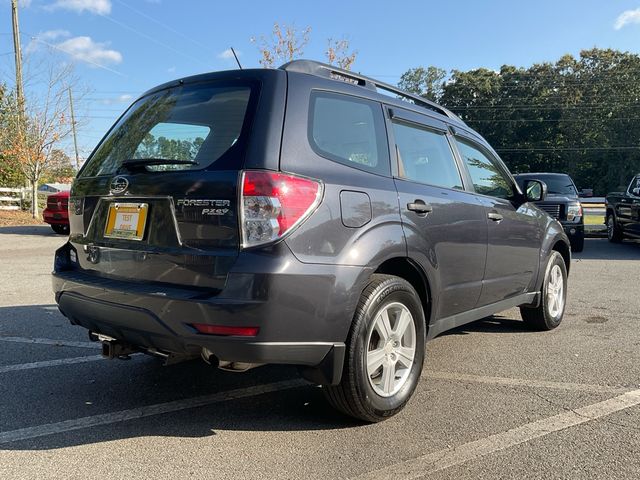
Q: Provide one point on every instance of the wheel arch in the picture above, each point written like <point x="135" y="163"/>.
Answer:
<point x="408" y="270"/>
<point x="556" y="240"/>
<point x="565" y="250"/>
<point x="610" y="212"/>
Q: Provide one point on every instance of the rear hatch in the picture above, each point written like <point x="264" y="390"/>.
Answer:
<point x="157" y="199"/>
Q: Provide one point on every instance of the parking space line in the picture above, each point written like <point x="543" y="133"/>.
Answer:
<point x="449" y="457"/>
<point x="147" y="411"/>
<point x="521" y="382"/>
<point x="49" y="341"/>
<point x="49" y="363"/>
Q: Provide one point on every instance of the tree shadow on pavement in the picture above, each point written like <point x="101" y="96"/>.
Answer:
<point x="34" y="230"/>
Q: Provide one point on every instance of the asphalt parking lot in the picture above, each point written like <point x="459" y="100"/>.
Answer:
<point x="495" y="401"/>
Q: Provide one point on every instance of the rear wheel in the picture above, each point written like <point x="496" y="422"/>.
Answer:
<point x="577" y="243"/>
<point x="548" y="314"/>
<point x="385" y="351"/>
<point x="614" y="232"/>
<point x="61" y="229"/>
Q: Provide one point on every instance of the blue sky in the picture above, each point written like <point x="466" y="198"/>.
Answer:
<point x="123" y="47"/>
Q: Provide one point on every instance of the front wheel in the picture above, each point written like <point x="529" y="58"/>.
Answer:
<point x="385" y="351"/>
<point x="548" y="314"/>
<point x="577" y="243"/>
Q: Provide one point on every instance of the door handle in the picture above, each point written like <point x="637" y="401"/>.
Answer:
<point x="496" y="217"/>
<point x="420" y="207"/>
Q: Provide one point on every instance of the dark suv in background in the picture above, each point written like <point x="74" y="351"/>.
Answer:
<point x="303" y="216"/>
<point x="562" y="203"/>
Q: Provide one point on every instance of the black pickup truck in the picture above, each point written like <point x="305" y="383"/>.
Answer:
<point x="562" y="202"/>
<point x="623" y="212"/>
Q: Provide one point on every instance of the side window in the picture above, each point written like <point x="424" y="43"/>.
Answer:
<point x="349" y="130"/>
<point x="487" y="177"/>
<point x="634" y="187"/>
<point x="425" y="156"/>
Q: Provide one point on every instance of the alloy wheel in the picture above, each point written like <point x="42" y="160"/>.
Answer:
<point x="391" y="349"/>
<point x="555" y="292"/>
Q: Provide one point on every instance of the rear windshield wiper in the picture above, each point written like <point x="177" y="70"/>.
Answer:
<point x="156" y="161"/>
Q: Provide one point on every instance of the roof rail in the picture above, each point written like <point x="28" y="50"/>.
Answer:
<point x="320" y="69"/>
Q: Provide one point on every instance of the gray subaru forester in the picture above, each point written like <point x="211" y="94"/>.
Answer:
<point x="304" y="215"/>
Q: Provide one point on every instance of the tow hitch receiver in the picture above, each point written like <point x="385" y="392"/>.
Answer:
<point x="112" y="348"/>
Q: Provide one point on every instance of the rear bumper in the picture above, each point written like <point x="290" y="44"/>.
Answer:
<point x="303" y="311"/>
<point x="55" y="217"/>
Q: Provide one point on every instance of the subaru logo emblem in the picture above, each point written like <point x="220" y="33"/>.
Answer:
<point x="118" y="185"/>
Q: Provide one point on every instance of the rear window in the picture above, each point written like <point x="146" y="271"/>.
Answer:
<point x="350" y="131"/>
<point x="204" y="124"/>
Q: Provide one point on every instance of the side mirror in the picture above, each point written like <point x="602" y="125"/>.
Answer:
<point x="535" y="190"/>
<point x="636" y="192"/>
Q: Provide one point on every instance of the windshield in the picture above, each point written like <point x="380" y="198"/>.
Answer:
<point x="196" y="126"/>
<point x="556" y="185"/>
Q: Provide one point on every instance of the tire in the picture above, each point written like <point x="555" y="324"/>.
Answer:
<point x="614" y="232"/>
<point x="374" y="395"/>
<point x="60" y="229"/>
<point x="577" y="243"/>
<point x="549" y="313"/>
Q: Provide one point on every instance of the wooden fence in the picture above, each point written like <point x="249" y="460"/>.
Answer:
<point x="12" y="198"/>
<point x="19" y="198"/>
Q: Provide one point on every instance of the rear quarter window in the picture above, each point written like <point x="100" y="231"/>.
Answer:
<point x="349" y="130"/>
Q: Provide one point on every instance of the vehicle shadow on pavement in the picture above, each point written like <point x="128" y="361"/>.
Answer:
<point x="267" y="398"/>
<point x="299" y="409"/>
<point x="493" y="324"/>
<point x="35" y="230"/>
<point x="602" y="249"/>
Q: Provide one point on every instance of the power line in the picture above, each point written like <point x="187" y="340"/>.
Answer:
<point x="532" y="120"/>
<point x="72" y="54"/>
<point x="148" y="37"/>
<point x="163" y="25"/>
<point x="571" y="149"/>
<point x="534" y="106"/>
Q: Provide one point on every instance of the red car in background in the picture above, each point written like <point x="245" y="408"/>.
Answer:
<point x="56" y="213"/>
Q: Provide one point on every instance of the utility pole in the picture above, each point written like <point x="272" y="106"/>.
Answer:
<point x="73" y="128"/>
<point x="18" y="57"/>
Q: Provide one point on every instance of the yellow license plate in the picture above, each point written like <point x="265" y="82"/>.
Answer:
<point x="126" y="221"/>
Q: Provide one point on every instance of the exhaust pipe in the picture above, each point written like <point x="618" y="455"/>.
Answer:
<point x="237" y="366"/>
<point x="211" y="359"/>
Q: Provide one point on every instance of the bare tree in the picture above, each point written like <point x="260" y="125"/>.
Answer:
<point x="30" y="142"/>
<point x="286" y="43"/>
<point x="338" y="53"/>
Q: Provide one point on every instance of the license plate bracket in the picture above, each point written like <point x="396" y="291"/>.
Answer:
<point x="126" y="221"/>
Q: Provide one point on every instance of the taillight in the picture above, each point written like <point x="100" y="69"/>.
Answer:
<point x="272" y="204"/>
